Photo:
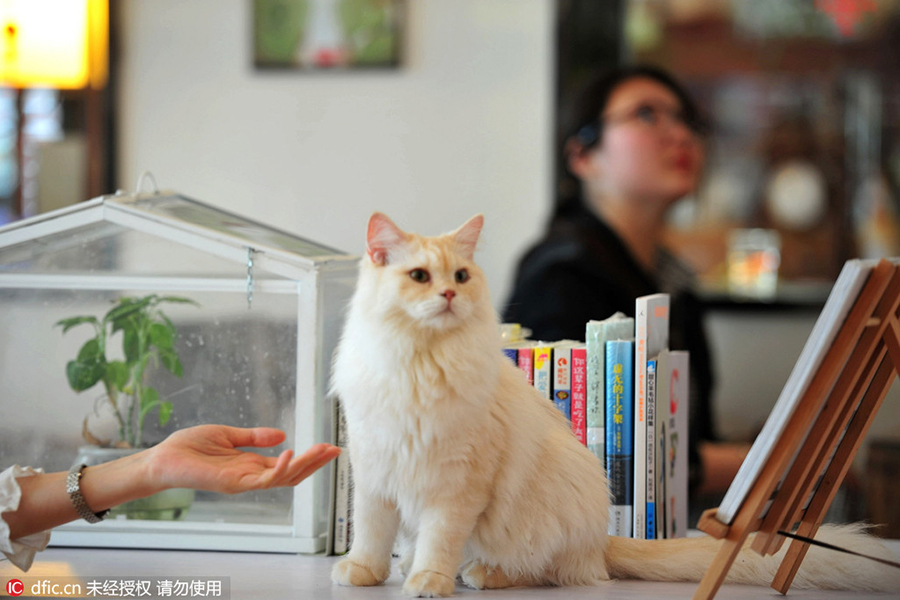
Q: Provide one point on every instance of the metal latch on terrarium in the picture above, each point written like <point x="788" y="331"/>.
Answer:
<point x="250" y="252"/>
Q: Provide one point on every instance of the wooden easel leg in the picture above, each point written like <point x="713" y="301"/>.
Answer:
<point x="835" y="473"/>
<point x="718" y="569"/>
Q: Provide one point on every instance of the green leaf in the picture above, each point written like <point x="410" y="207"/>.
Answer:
<point x="165" y="412"/>
<point x="71" y="322"/>
<point x="170" y="360"/>
<point x="126" y="309"/>
<point x="178" y="300"/>
<point x="117" y="374"/>
<point x="131" y="344"/>
<point x="150" y="400"/>
<point x="167" y="321"/>
<point x="83" y="375"/>
<point x="149" y="397"/>
<point x="90" y="352"/>
<point x="161" y="336"/>
<point x="146" y="410"/>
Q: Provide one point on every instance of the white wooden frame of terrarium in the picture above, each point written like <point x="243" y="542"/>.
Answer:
<point x="311" y="507"/>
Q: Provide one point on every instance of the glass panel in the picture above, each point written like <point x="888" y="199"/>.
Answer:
<point x="84" y="249"/>
<point x="197" y="213"/>
<point x="107" y="248"/>
<point x="239" y="369"/>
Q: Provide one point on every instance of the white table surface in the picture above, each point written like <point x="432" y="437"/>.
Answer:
<point x="259" y="576"/>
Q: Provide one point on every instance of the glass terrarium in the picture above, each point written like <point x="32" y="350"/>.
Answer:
<point x="254" y="343"/>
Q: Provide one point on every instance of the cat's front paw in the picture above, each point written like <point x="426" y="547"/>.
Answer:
<point x="429" y="584"/>
<point x="478" y="576"/>
<point x="473" y="574"/>
<point x="347" y="572"/>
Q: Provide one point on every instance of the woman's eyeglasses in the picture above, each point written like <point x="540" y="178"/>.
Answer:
<point x="660" y="116"/>
<point x="649" y="115"/>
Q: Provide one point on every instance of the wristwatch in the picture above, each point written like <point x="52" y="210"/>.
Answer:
<point x="73" y="487"/>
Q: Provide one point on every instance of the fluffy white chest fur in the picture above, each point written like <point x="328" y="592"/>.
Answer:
<point x="459" y="460"/>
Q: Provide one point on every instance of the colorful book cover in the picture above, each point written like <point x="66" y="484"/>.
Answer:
<point x="562" y="379"/>
<point x="543" y="369"/>
<point x="526" y="362"/>
<point x="514" y="351"/>
<point x="651" y="449"/>
<point x="673" y="385"/>
<point x="619" y="361"/>
<point x="651" y="336"/>
<point x="579" y="392"/>
<point x="597" y="333"/>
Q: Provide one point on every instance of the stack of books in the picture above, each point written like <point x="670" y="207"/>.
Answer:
<point x="626" y="395"/>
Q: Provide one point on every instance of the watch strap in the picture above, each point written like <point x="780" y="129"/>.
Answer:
<point x="73" y="487"/>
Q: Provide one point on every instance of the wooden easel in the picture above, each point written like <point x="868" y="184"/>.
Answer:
<point x="824" y="433"/>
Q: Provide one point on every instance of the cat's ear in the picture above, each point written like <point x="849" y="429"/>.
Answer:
<point x="382" y="236"/>
<point x="466" y="237"/>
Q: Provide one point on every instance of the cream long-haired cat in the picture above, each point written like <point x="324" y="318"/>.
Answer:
<point x="479" y="476"/>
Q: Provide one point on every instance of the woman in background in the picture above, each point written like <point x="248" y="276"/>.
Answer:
<point x="636" y="147"/>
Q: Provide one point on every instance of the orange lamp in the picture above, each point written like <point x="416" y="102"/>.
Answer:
<point x="58" y="44"/>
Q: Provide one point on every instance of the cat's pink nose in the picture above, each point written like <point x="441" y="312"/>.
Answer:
<point x="448" y="294"/>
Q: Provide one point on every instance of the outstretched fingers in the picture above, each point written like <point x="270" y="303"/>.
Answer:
<point x="289" y="470"/>
<point x="311" y="461"/>
<point x="278" y="474"/>
<point x="257" y="437"/>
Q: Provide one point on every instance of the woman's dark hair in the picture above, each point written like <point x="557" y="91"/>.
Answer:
<point x="585" y="124"/>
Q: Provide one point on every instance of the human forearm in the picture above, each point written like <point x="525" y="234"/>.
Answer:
<point x="45" y="504"/>
<point x="205" y="457"/>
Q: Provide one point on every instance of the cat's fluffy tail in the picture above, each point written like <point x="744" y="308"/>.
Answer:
<point x="687" y="559"/>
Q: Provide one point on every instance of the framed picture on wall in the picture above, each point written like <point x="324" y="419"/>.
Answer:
<point x="327" y="34"/>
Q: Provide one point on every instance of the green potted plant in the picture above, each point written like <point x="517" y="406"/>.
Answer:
<point x="148" y="337"/>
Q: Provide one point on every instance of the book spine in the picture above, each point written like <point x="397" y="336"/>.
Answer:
<point x="512" y="354"/>
<point x="579" y="393"/>
<point x="595" y="411"/>
<point x="651" y="336"/>
<point x="620" y="435"/>
<point x="661" y="498"/>
<point x="678" y="373"/>
<point x="662" y="426"/>
<point x="639" y="526"/>
<point x="342" y="500"/>
<point x="526" y="363"/>
<point x="650" y="467"/>
<point x="543" y="364"/>
<point x="596" y="334"/>
<point x="562" y="380"/>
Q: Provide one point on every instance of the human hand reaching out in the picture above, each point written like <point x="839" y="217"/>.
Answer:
<point x="206" y="457"/>
<point x="209" y="457"/>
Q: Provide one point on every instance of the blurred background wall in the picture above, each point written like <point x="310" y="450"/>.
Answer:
<point x="461" y="127"/>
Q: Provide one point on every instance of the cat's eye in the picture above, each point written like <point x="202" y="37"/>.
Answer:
<point x="420" y="275"/>
<point x="462" y="276"/>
